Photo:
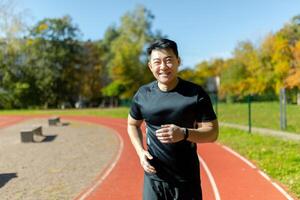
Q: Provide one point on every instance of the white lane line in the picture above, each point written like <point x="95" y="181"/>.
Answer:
<point x="211" y="179"/>
<point x="264" y="175"/>
<point x="107" y="171"/>
<point x="276" y="185"/>
<point x="280" y="189"/>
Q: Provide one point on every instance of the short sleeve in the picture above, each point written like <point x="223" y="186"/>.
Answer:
<point x="205" y="111"/>
<point x="135" y="110"/>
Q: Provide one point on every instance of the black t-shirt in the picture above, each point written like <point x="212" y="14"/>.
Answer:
<point x="186" y="104"/>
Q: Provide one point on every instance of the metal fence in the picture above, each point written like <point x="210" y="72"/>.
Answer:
<point x="278" y="114"/>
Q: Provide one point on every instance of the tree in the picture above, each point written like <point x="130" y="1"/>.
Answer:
<point x="291" y="32"/>
<point x="233" y="78"/>
<point x="207" y="69"/>
<point x="187" y="74"/>
<point x="128" y="64"/>
<point x="258" y="78"/>
<point x="53" y="58"/>
<point x="203" y="71"/>
<point x="12" y="22"/>
<point x="294" y="77"/>
<point x="12" y="28"/>
<point x="242" y="75"/>
<point x="107" y="55"/>
<point x="93" y="75"/>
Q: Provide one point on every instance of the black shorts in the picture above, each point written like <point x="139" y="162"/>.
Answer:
<point x="160" y="190"/>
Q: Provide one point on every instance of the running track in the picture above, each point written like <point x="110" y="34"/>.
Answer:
<point x="225" y="174"/>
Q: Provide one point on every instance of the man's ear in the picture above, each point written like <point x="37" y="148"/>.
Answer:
<point x="149" y="65"/>
<point x="179" y="61"/>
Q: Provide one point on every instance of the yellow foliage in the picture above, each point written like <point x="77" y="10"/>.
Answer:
<point x="29" y="42"/>
<point x="296" y="54"/>
<point x="281" y="52"/>
<point x="282" y="68"/>
<point x="294" y="79"/>
<point x="42" y="27"/>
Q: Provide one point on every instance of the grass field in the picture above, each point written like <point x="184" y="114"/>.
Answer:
<point x="264" y="115"/>
<point x="279" y="159"/>
<point x="121" y="112"/>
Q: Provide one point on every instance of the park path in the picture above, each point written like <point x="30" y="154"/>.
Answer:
<point x="265" y="131"/>
<point x="225" y="174"/>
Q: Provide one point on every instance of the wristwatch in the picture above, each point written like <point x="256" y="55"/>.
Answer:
<point x="185" y="133"/>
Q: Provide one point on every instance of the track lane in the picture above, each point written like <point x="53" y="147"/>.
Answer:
<point x="10" y="120"/>
<point x="235" y="178"/>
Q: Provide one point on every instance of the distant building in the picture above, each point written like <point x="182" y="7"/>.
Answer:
<point x="213" y="84"/>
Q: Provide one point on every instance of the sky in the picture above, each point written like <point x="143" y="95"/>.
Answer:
<point x="203" y="29"/>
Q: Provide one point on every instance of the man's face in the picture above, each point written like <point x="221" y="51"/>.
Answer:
<point x="164" y="65"/>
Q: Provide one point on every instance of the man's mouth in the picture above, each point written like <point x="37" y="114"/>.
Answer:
<point x="164" y="74"/>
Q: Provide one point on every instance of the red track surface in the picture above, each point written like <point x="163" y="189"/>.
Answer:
<point x="235" y="180"/>
<point x="6" y="121"/>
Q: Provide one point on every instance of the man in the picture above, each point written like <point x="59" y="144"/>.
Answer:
<point x="178" y="114"/>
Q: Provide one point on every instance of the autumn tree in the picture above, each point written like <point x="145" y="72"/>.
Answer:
<point x="208" y="69"/>
<point x="187" y="74"/>
<point x="294" y="78"/>
<point x="291" y="31"/>
<point x="128" y="68"/>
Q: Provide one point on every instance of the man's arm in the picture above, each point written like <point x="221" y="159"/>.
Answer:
<point x="206" y="132"/>
<point x="136" y="137"/>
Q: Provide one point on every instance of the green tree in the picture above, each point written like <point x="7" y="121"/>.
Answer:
<point x="128" y="67"/>
<point x="93" y="75"/>
<point x="53" y="56"/>
<point x="12" y="28"/>
<point x="106" y="56"/>
<point x="11" y="76"/>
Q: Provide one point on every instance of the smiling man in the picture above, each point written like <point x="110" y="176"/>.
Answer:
<point x="178" y="114"/>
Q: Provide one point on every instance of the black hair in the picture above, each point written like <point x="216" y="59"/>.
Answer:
<point x="163" y="44"/>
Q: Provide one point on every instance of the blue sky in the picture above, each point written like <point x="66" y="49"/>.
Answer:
<point x="203" y="29"/>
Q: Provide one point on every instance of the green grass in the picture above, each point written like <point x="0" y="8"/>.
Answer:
<point x="264" y="115"/>
<point x="121" y="112"/>
<point x="278" y="158"/>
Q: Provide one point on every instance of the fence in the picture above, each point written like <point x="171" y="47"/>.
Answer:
<point x="276" y="114"/>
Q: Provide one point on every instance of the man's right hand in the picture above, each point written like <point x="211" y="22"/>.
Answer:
<point x="144" y="157"/>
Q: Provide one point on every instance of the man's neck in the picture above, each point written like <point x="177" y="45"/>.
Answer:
<point x="168" y="87"/>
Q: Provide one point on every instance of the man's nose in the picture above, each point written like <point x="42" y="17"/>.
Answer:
<point x="163" y="65"/>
